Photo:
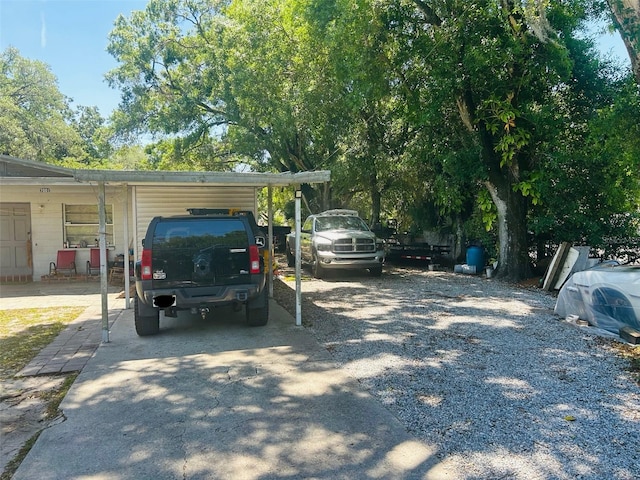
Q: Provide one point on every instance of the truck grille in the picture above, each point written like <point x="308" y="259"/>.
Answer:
<point x="347" y="245"/>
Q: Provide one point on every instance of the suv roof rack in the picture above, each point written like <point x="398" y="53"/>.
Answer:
<point x="226" y="211"/>
<point x="218" y="211"/>
<point x="340" y="211"/>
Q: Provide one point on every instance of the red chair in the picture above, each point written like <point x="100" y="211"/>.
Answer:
<point x="65" y="263"/>
<point x="93" y="264"/>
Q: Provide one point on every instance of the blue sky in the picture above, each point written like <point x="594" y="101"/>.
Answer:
<point x="71" y="37"/>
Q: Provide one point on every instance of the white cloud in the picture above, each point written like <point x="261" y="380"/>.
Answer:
<point x="43" y="31"/>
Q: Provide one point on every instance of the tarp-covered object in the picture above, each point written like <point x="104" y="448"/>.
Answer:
<point x="607" y="296"/>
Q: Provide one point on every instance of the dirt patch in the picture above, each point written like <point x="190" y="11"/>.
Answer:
<point x="23" y="411"/>
<point x="132" y="292"/>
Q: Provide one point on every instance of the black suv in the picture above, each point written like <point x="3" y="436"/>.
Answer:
<point x="200" y="261"/>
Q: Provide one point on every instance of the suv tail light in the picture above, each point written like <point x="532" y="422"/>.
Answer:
<point x="146" y="272"/>
<point x="254" y="258"/>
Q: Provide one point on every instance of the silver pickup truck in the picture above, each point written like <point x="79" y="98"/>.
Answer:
<point x="337" y="240"/>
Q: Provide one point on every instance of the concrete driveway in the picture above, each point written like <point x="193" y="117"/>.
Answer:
<point x="216" y="399"/>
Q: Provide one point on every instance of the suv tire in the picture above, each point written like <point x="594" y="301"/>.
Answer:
<point x="145" y="324"/>
<point x="258" y="316"/>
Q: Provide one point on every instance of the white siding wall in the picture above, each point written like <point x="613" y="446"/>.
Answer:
<point x="166" y="201"/>
<point x="47" y="234"/>
<point x="47" y="221"/>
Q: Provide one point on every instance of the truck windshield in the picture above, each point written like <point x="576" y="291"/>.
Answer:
<point x="340" y="223"/>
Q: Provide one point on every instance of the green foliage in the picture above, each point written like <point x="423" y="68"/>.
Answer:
<point x="34" y="115"/>
<point x="91" y="127"/>
<point x="227" y="81"/>
<point x="487" y="209"/>
<point x="129" y="158"/>
<point x="530" y="187"/>
<point x="475" y="231"/>
<point x="591" y="192"/>
<point x="37" y="122"/>
<point x="282" y="197"/>
<point x="499" y="117"/>
<point x="414" y="106"/>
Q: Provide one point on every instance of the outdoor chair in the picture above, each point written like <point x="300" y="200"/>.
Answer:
<point x="65" y="263"/>
<point x="93" y="264"/>
<point x="116" y="276"/>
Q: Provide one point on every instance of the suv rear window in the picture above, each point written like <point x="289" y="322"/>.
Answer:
<point x="200" y="233"/>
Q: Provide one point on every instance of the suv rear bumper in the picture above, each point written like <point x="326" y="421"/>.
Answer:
<point x="189" y="297"/>
<point x="330" y="260"/>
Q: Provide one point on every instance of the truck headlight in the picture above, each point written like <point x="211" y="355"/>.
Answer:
<point x="323" y="247"/>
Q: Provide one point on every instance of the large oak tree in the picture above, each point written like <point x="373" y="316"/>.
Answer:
<point x="35" y="118"/>
<point x="501" y="64"/>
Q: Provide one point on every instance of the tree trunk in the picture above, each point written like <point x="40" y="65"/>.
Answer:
<point x="513" y="256"/>
<point x="457" y="252"/>
<point x="326" y="196"/>
<point x="513" y="252"/>
<point x="376" y="200"/>
<point x="626" y="16"/>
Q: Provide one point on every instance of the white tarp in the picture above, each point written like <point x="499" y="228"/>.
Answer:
<point x="607" y="296"/>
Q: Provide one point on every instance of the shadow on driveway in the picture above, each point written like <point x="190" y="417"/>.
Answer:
<point x="216" y="399"/>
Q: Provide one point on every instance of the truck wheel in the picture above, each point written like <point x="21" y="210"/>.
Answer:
<point x="258" y="316"/>
<point x="291" y="259"/>
<point x="147" y="324"/>
<point x="318" y="271"/>
<point x="375" y="271"/>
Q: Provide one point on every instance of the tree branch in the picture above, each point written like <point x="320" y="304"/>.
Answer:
<point x="429" y="12"/>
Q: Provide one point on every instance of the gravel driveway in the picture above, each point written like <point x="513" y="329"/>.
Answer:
<point x="482" y="371"/>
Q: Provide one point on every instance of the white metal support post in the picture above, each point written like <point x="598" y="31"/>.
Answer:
<point x="102" y="235"/>
<point x="298" y="261"/>
<point x="270" y="239"/>
<point x="125" y="243"/>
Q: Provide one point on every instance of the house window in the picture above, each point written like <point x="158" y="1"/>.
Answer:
<point x="81" y="224"/>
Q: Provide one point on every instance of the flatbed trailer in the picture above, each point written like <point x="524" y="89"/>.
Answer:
<point x="418" y="251"/>
<point x="403" y="247"/>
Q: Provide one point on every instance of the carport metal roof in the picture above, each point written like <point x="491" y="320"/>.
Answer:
<point x="23" y="172"/>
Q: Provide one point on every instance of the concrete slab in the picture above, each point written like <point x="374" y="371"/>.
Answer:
<point x="73" y="347"/>
<point x="70" y="350"/>
<point x="215" y="399"/>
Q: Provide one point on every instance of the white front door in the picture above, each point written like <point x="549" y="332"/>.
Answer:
<point x="15" y="240"/>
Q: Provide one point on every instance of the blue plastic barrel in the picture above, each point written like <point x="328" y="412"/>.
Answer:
<point x="475" y="257"/>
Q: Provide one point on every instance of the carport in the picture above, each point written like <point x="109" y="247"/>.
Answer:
<point x="185" y="180"/>
<point x="171" y="190"/>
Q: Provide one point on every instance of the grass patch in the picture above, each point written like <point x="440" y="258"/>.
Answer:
<point x="15" y="462"/>
<point x="54" y="397"/>
<point x="26" y="331"/>
<point x="23" y="333"/>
